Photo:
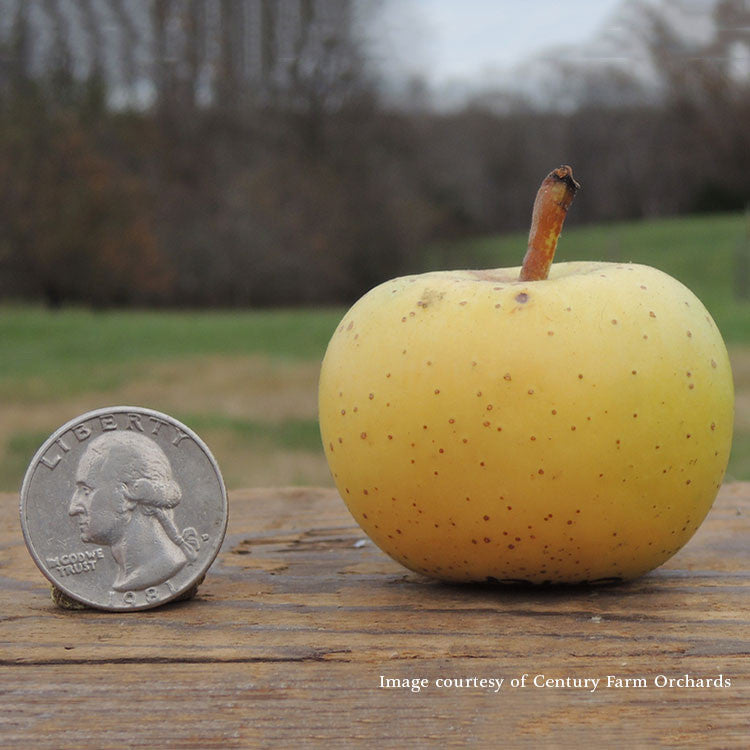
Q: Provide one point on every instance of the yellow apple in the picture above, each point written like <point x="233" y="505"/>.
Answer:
<point x="562" y="429"/>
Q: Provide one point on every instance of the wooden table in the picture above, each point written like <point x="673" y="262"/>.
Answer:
<point x="299" y="620"/>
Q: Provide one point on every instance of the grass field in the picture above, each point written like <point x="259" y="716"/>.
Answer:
<point x="703" y="252"/>
<point x="246" y="381"/>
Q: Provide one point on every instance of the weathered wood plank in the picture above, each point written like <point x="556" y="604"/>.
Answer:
<point x="297" y="621"/>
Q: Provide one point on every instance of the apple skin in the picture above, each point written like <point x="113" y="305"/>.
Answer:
<point x="573" y="429"/>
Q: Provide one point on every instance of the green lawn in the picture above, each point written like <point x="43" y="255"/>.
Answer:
<point x="246" y="380"/>
<point x="700" y="251"/>
<point x="76" y="350"/>
<point x="226" y="374"/>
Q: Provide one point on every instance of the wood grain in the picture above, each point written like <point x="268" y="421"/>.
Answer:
<point x="297" y="620"/>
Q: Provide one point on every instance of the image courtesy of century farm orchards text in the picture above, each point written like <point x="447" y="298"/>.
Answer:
<point x="554" y="423"/>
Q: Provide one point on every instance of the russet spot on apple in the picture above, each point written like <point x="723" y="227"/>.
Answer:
<point x="552" y="423"/>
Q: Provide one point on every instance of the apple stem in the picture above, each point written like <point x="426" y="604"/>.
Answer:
<point x="552" y="201"/>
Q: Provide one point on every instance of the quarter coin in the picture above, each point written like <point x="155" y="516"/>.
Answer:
<point x="123" y="508"/>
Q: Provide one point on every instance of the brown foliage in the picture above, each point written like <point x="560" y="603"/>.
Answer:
<point x="260" y="166"/>
<point x="75" y="224"/>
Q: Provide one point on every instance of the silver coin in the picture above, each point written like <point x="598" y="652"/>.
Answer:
<point x="123" y="508"/>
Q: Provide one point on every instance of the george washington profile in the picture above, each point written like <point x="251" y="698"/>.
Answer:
<point x="124" y="498"/>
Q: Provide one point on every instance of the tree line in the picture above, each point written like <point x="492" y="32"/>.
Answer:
<point x="242" y="152"/>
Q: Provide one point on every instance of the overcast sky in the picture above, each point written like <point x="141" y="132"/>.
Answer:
<point x="468" y="38"/>
<point x="445" y="40"/>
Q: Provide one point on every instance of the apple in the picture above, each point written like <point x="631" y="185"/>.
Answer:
<point x="548" y="424"/>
